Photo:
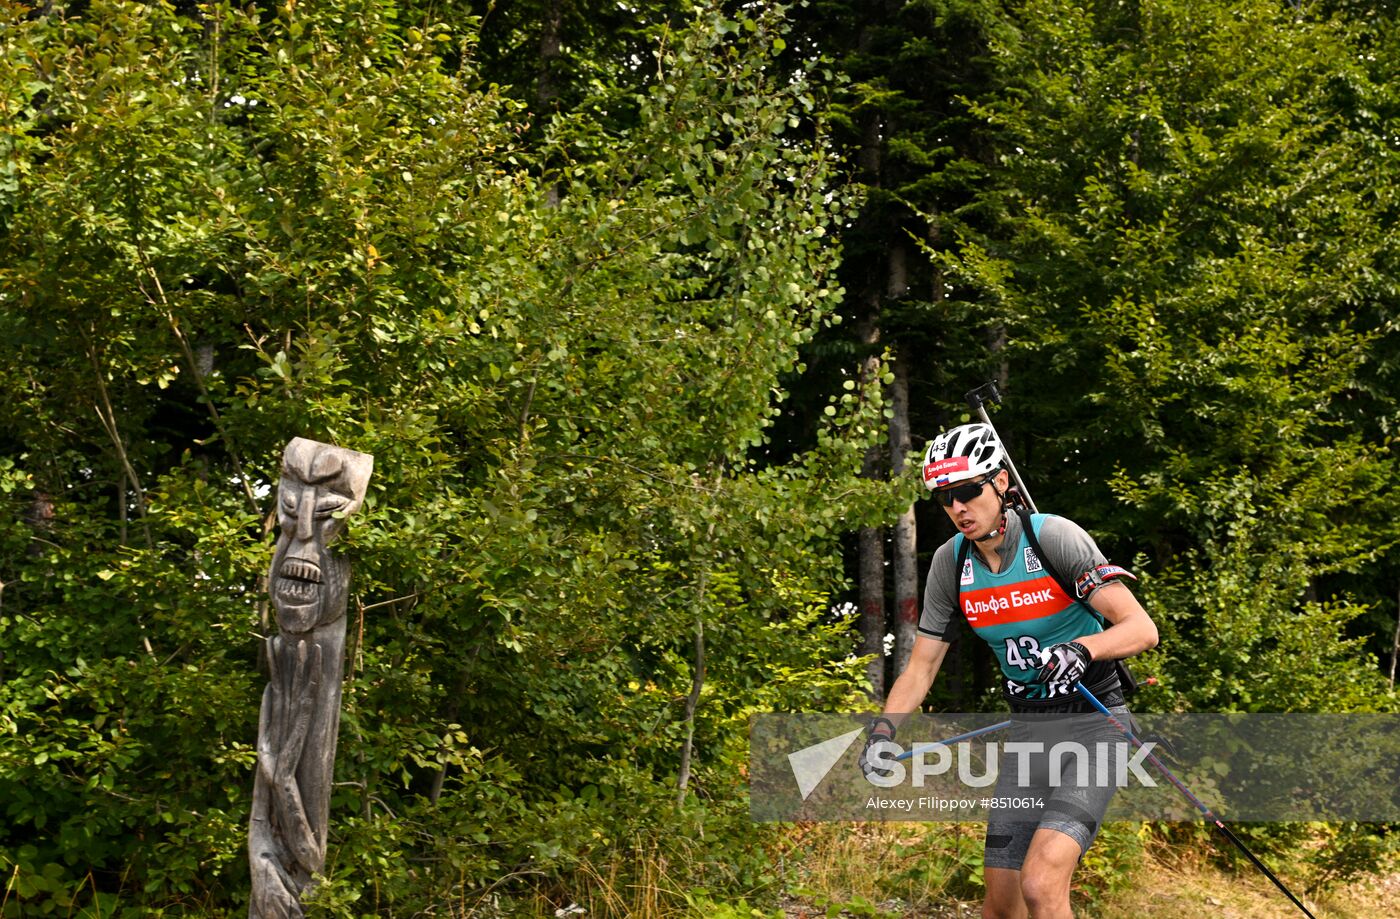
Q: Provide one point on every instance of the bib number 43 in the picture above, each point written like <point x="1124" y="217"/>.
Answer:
<point x="1023" y="652"/>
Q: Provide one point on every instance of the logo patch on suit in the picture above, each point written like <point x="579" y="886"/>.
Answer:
<point x="967" y="576"/>
<point x="1032" y="562"/>
<point x="1008" y="603"/>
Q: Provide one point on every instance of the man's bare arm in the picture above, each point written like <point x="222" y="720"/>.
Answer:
<point x="907" y="694"/>
<point x="1130" y="628"/>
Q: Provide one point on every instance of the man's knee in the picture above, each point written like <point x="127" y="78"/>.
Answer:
<point x="1003" y="900"/>
<point x="1009" y="909"/>
<point x="1045" y="888"/>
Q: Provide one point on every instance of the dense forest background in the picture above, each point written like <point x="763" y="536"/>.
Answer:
<point x="643" y="309"/>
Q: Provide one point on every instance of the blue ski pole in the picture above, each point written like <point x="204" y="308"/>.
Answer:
<point x="1214" y="820"/>
<point x="952" y="740"/>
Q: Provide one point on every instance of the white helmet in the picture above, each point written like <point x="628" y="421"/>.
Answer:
<point x="969" y="451"/>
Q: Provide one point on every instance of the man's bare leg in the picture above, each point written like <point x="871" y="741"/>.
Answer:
<point x="1046" y="873"/>
<point x="1004" y="900"/>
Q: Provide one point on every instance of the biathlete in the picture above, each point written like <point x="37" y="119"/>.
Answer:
<point x="992" y="574"/>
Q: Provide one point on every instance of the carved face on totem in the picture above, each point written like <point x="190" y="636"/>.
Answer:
<point x="320" y="486"/>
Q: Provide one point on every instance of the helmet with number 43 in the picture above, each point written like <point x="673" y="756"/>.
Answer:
<point x="968" y="451"/>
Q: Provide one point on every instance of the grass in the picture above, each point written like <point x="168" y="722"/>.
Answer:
<point x="904" y="870"/>
<point x="915" y="864"/>
<point x="914" y="871"/>
<point x="1187" y="885"/>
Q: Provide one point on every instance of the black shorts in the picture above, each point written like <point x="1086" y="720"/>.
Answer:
<point x="1066" y="787"/>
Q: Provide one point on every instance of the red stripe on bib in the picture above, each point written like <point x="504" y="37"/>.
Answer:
<point x="1013" y="602"/>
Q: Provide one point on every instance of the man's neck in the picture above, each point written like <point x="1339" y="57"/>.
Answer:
<point x="989" y="549"/>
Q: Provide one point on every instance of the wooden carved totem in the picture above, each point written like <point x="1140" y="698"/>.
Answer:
<point x="320" y="486"/>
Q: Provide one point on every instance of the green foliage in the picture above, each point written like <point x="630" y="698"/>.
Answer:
<point x="1349" y="850"/>
<point x="228" y="227"/>
<point x="901" y="77"/>
<point x="702" y="907"/>
<point x="883" y="868"/>
<point x="937" y="865"/>
<point x="562" y="301"/>
<point x="1109" y="865"/>
<point x="1192" y="239"/>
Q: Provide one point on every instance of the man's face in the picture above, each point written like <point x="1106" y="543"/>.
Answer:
<point x="977" y="516"/>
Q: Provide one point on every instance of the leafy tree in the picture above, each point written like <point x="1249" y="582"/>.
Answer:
<point x="1195" y="245"/>
<point x="223" y="228"/>
<point x="921" y="158"/>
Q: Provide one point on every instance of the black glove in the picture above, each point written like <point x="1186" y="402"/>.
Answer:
<point x="881" y="731"/>
<point x="1063" y="663"/>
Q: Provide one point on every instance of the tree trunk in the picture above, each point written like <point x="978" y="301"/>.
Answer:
<point x="872" y="539"/>
<point x="547" y="89"/>
<point x="904" y="549"/>
<point x="906" y="574"/>
<point x="872" y="606"/>
<point x="692" y="702"/>
<point x="697" y="678"/>
<point x="1395" y="644"/>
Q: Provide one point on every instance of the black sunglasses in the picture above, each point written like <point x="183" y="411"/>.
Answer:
<point x="963" y="493"/>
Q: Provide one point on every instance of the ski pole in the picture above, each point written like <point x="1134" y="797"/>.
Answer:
<point x="952" y="740"/>
<point x="1216" y="821"/>
<point x="977" y="399"/>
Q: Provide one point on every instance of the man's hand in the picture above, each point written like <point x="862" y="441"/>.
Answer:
<point x="881" y="731"/>
<point x="1063" y="663"/>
